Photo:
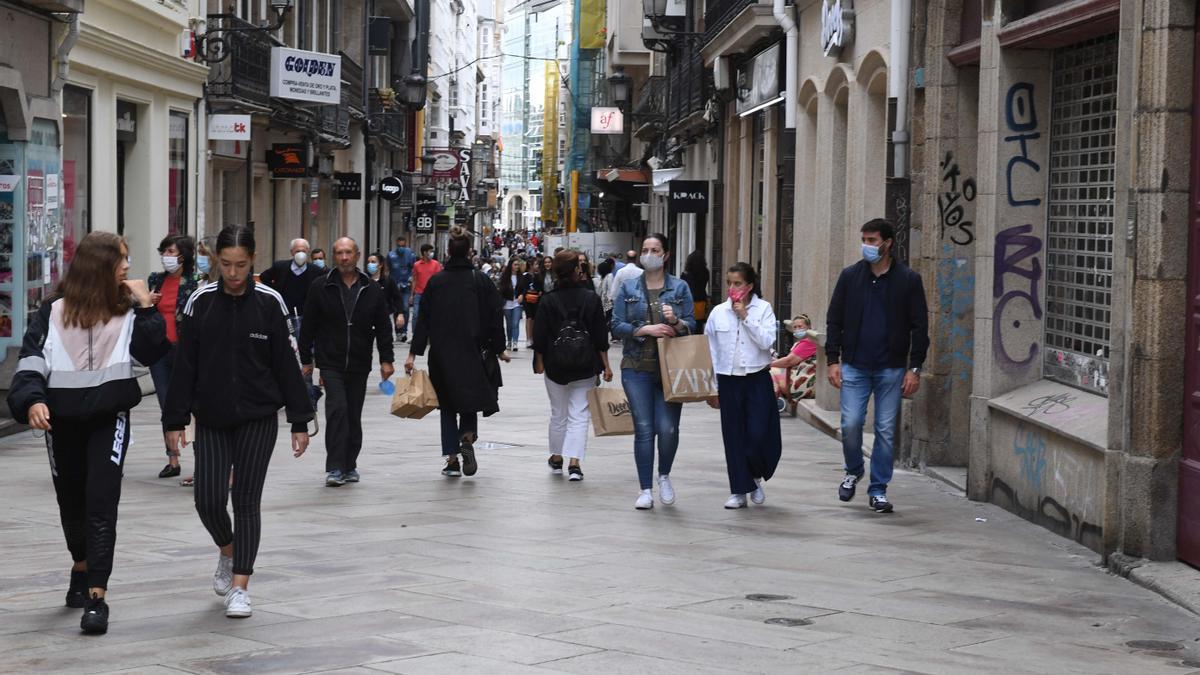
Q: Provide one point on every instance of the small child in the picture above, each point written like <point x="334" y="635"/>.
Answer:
<point x="795" y="375"/>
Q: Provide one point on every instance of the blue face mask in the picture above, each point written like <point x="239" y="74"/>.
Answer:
<point x="320" y="263"/>
<point x="202" y="264"/>
<point x="871" y="253"/>
<point x="800" y="334"/>
<point x="372" y="268"/>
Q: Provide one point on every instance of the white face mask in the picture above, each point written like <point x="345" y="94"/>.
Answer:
<point x="170" y="263"/>
<point x="300" y="258"/>
<point x="651" y="262"/>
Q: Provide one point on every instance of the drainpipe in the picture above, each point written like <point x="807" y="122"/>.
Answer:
<point x="791" y="75"/>
<point x="898" y="83"/>
<point x="64" y="49"/>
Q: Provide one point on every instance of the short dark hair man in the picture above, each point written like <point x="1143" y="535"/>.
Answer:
<point x="423" y="271"/>
<point x="878" y="334"/>
<point x="343" y="314"/>
<point x="400" y="261"/>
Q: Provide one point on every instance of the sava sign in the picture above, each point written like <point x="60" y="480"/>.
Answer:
<point x="837" y="25"/>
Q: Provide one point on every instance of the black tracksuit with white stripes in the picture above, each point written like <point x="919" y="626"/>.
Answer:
<point x="235" y="366"/>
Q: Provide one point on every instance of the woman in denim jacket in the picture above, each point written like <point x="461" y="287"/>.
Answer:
<point x="654" y="305"/>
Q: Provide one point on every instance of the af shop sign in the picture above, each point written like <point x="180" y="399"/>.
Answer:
<point x="687" y="196"/>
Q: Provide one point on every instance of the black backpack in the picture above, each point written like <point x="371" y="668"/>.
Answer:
<point x="572" y="349"/>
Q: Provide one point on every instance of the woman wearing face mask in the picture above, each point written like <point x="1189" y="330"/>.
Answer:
<point x="205" y="269"/>
<point x="95" y="328"/>
<point x="795" y="375"/>
<point x="651" y="306"/>
<point x="170" y="290"/>
<point x="377" y="269"/>
<point x="741" y="332"/>
<point x="236" y="367"/>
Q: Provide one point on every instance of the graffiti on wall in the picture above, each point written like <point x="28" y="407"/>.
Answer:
<point x="952" y="203"/>
<point x="1050" y="514"/>
<point x="1030" y="448"/>
<point x="956" y="301"/>
<point x="1017" y="270"/>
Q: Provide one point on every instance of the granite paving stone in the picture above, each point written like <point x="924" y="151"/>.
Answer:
<point x="515" y="570"/>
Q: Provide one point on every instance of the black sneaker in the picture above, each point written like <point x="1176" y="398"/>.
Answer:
<point x="848" y="486"/>
<point x="452" y="469"/>
<point x="555" y="465"/>
<point x="404" y="338"/>
<point x="169" y="471"/>
<point x="469" y="466"/>
<point x="880" y="504"/>
<point x="575" y="472"/>
<point x="77" y="591"/>
<point x="95" y="617"/>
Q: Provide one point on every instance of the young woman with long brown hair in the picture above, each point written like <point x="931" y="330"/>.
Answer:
<point x="75" y="381"/>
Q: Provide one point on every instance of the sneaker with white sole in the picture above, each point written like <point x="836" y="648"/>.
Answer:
<point x="644" y="501"/>
<point x="736" y="502"/>
<point x="880" y="504"/>
<point x="223" y="577"/>
<point x="848" y="486"/>
<point x="237" y="603"/>
<point x="666" y="491"/>
<point x="759" y="495"/>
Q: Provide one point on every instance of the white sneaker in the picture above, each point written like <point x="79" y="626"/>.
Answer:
<point x="237" y="603"/>
<point x="758" y="496"/>
<point x="666" y="491"/>
<point x="644" y="501"/>
<point x="223" y="577"/>
<point x="736" y="502"/>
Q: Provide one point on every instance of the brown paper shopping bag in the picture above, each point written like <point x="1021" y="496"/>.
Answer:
<point x="610" y="413"/>
<point x="414" y="397"/>
<point x="686" y="367"/>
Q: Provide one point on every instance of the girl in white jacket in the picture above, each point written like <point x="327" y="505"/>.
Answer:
<point x="741" y="332"/>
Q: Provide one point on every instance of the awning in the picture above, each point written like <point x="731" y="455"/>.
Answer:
<point x="613" y="175"/>
<point x="662" y="177"/>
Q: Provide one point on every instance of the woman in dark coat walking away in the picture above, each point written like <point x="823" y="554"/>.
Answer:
<point x="461" y="321"/>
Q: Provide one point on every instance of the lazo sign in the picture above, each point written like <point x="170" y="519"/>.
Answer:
<point x="837" y="25"/>
<point x="306" y="76"/>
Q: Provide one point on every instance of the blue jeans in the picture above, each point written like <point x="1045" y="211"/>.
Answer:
<point x="652" y="416"/>
<point x="416" y="308"/>
<point x="454" y="427"/>
<point x="513" y="317"/>
<point x="857" y="387"/>
<point x="405" y="293"/>
<point x="160" y="374"/>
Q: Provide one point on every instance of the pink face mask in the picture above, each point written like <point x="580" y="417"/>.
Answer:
<point x="737" y="295"/>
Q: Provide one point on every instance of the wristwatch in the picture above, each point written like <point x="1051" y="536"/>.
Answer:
<point x="915" y="371"/>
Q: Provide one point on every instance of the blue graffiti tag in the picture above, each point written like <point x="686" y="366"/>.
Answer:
<point x="1030" y="448"/>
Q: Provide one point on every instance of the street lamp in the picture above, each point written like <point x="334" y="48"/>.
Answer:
<point x="455" y="191"/>
<point x="415" y="90"/>
<point x="212" y="45"/>
<point x="618" y="84"/>
<point x="663" y="22"/>
<point x="427" y="162"/>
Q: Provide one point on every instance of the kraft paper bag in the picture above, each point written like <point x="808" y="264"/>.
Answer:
<point x="686" y="367"/>
<point x="610" y="412"/>
<point x="414" y="397"/>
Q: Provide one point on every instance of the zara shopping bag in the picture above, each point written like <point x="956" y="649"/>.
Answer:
<point x="414" y="397"/>
<point x="610" y="412"/>
<point x="686" y="367"/>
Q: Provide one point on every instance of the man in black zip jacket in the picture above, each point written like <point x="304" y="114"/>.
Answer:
<point x="343" y="312"/>
<point x="878" y="334"/>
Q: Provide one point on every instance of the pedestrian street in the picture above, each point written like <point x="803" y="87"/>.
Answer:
<point x="516" y="570"/>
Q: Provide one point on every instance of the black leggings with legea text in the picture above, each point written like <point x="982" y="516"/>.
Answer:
<point x="246" y="449"/>
<point x="86" y="460"/>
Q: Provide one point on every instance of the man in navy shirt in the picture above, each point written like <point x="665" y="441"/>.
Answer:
<point x="400" y="260"/>
<point x="878" y="335"/>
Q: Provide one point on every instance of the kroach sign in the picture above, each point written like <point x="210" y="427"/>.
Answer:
<point x="687" y="196"/>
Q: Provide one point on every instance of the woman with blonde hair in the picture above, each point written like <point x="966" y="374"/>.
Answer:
<point x="75" y="381"/>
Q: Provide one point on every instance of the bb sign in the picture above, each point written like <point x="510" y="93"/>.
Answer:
<point x="306" y="76"/>
<point x="837" y="25"/>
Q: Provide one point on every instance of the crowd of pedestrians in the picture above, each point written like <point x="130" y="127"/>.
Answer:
<point x="227" y="351"/>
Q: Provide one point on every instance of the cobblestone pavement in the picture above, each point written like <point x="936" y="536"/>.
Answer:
<point x="516" y="570"/>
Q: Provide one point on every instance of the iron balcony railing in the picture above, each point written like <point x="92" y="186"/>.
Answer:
<point x="651" y="105"/>
<point x="719" y="13"/>
<point x="352" y="82"/>
<point x="246" y="73"/>
<point x="687" y="84"/>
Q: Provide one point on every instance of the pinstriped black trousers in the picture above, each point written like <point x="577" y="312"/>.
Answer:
<point x="246" y="449"/>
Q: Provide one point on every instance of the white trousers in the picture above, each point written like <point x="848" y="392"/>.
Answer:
<point x="569" y="417"/>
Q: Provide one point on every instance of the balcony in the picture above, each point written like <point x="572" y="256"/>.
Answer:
<point x="687" y="91"/>
<point x="244" y="77"/>
<point x="733" y="26"/>
<point x="650" y="111"/>
<point x="352" y="83"/>
<point x="334" y="123"/>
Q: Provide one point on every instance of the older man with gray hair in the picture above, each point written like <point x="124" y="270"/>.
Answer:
<point x="292" y="278"/>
